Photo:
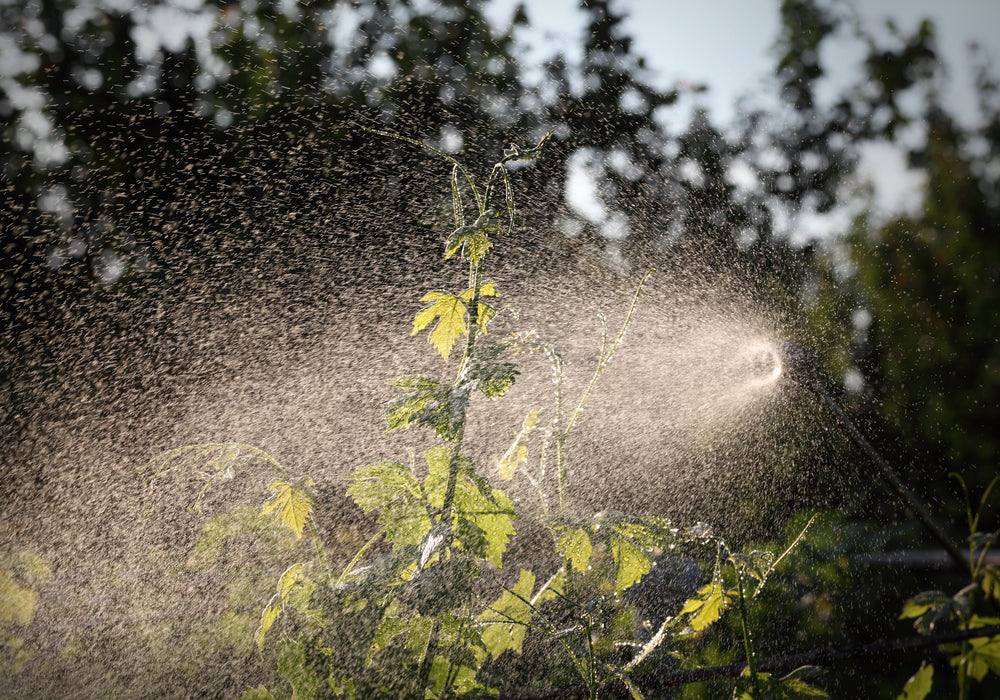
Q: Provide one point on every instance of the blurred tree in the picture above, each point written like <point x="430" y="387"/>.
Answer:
<point x="152" y="149"/>
<point x="931" y="285"/>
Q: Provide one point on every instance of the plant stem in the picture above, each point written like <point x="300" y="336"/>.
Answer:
<point x="317" y="543"/>
<point x="449" y="492"/>
<point x="424" y="673"/>
<point x="606" y="355"/>
<point x="472" y="327"/>
<point x="890" y="475"/>
<point x="747" y="640"/>
<point x="450" y="159"/>
<point x="361" y="553"/>
<point x="591" y="671"/>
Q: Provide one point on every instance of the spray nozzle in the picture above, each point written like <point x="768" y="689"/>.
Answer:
<point x="799" y="363"/>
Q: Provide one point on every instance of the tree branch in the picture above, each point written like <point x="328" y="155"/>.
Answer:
<point x="816" y="657"/>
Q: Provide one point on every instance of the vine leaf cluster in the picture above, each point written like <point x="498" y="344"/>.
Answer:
<point x="424" y="606"/>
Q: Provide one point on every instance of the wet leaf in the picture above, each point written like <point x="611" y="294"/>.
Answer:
<point x="649" y="532"/>
<point x="442" y="586"/>
<point x="475" y="502"/>
<point x="794" y="685"/>
<point x="288" y="580"/>
<point x="294" y="667"/>
<point x="791" y="687"/>
<point x="450" y="310"/>
<point x="574" y="546"/>
<point x="390" y="626"/>
<point x="484" y="312"/>
<point x="428" y="402"/>
<point x="17" y="604"/>
<point x="919" y="685"/>
<point x="391" y="488"/>
<point x="990" y="582"/>
<point x="517" y="453"/>
<point x="631" y="561"/>
<point x="757" y="564"/>
<point x="376" y="485"/>
<point x="506" y="620"/>
<point x="492" y="376"/>
<point x="292" y="501"/>
<point x="511" y="460"/>
<point x="982" y="654"/>
<point x="708" y="604"/>
<point x="267" y="619"/>
<point x="929" y="609"/>
<point x="419" y="636"/>
<point x="474" y="239"/>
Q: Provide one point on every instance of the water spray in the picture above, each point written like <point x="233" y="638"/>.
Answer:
<point x="802" y="366"/>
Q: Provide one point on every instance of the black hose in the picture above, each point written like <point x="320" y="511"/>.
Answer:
<point x="801" y="365"/>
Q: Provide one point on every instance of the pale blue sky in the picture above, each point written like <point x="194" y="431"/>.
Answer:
<point x="727" y="44"/>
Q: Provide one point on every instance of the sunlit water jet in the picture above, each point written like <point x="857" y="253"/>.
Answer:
<point x="695" y="418"/>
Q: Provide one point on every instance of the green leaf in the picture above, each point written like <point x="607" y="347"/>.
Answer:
<point x="990" y="582"/>
<point x="756" y="564"/>
<point x="438" y="460"/>
<point x="796" y="689"/>
<point x="708" y="604"/>
<point x="293" y="503"/>
<point x="488" y="509"/>
<point x="443" y="586"/>
<point x="981" y="657"/>
<point x="575" y="547"/>
<point x="506" y="620"/>
<point x="631" y="561"/>
<point x="492" y="376"/>
<point x="930" y="608"/>
<point x="17" y="604"/>
<point x="450" y="667"/>
<point x="470" y="537"/>
<point x="376" y="485"/>
<point x="919" y="685"/>
<point x="494" y="516"/>
<point x="517" y="453"/>
<point x="474" y="239"/>
<point x="429" y="403"/>
<point x="450" y="310"/>
<point x="511" y="460"/>
<point x="293" y="666"/>
<point x="791" y="687"/>
<point x="485" y="312"/>
<point x="218" y="533"/>
<point x="390" y="626"/>
<point x="419" y="636"/>
<point x="267" y="619"/>
<point x="391" y="488"/>
<point x="288" y="580"/>
<point x="300" y="596"/>
<point x="649" y="532"/>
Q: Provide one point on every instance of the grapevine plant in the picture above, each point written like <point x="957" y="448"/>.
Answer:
<point x="425" y="608"/>
<point x="973" y="607"/>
